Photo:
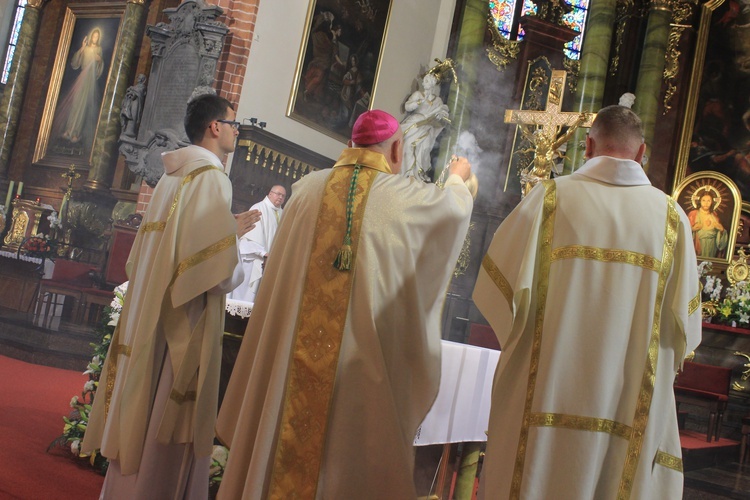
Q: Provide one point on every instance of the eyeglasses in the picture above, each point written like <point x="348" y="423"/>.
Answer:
<point x="235" y="125"/>
<point x="283" y="195"/>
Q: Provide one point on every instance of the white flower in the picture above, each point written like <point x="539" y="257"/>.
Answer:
<point x="75" y="447"/>
<point x="89" y="386"/>
<point x="114" y="318"/>
<point x="744" y="318"/>
<point x="74" y="402"/>
<point x="220" y="455"/>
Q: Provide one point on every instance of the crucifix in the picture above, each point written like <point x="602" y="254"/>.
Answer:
<point x="542" y="131"/>
<point x="71" y="175"/>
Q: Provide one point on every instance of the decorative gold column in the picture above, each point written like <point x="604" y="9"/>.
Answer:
<point x="651" y="70"/>
<point x="593" y="72"/>
<point x="104" y="153"/>
<point x="470" y="48"/>
<point x="12" y="98"/>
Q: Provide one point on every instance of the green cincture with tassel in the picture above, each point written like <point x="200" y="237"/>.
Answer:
<point x="343" y="260"/>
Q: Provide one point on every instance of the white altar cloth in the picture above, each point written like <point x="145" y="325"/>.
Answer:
<point x="461" y="410"/>
<point x="239" y="308"/>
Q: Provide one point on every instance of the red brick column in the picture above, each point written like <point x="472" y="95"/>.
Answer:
<point x="239" y="16"/>
<point x="144" y="197"/>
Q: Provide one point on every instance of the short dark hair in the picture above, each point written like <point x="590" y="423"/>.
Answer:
<point x="201" y="111"/>
<point x="618" y="121"/>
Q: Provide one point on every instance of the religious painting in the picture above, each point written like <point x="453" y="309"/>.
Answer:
<point x="716" y="131"/>
<point x="712" y="203"/>
<point x="338" y="64"/>
<point x="80" y="74"/>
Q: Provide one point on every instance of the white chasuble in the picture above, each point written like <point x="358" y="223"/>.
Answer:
<point x="180" y="267"/>
<point x="591" y="286"/>
<point x="387" y="370"/>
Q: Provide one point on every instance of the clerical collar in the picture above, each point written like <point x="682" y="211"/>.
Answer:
<point x="365" y="158"/>
<point x="614" y="171"/>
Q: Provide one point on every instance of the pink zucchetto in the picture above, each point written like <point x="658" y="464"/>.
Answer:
<point x="373" y="127"/>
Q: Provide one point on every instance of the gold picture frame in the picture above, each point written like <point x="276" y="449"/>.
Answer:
<point x="715" y="134"/>
<point x="713" y="204"/>
<point x="80" y="75"/>
<point x="338" y="64"/>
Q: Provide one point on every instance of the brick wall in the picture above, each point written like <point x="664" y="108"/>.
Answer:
<point x="239" y="16"/>
<point x="144" y="197"/>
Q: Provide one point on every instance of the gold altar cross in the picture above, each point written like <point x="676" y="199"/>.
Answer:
<point x="545" y="140"/>
<point x="551" y="119"/>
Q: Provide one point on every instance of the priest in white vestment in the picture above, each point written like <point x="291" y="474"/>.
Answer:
<point x="591" y="286"/>
<point x="256" y="243"/>
<point x="155" y="409"/>
<point x="341" y="358"/>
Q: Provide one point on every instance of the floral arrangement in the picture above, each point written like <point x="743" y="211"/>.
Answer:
<point x="39" y="246"/>
<point x="729" y="305"/>
<point x="75" y="424"/>
<point x="219" y="459"/>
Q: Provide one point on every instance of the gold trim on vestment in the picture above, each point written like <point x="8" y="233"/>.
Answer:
<point x="670" y="461"/>
<point x="695" y="302"/>
<point x="153" y="226"/>
<point x="203" y="256"/>
<point x="580" y="423"/>
<point x="498" y="279"/>
<point x="115" y="349"/>
<point x="123" y="349"/>
<point x="162" y="224"/>
<point x="640" y="420"/>
<point x="180" y="398"/>
<point x="318" y="336"/>
<point x="364" y="158"/>
<point x="607" y="255"/>
<point x="545" y="250"/>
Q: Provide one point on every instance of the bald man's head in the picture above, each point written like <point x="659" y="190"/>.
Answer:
<point x="618" y="132"/>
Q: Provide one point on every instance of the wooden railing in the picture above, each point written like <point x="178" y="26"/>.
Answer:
<point x="263" y="160"/>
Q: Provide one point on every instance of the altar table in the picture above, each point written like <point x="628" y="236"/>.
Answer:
<point x="461" y="410"/>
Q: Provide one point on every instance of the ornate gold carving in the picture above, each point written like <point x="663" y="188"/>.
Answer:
<point x="738" y="270"/>
<point x="643" y="407"/>
<point x="543" y="134"/>
<point x="501" y="51"/>
<point x="680" y="12"/>
<point x="274" y="160"/>
<point x="670" y="461"/>
<point x="545" y="248"/>
<point x="607" y="255"/>
<point x="499" y="279"/>
<point x="572" y="68"/>
<point x="35" y="4"/>
<point x="137" y="2"/>
<point x="745" y="374"/>
<point x="20" y="222"/>
<point x="623" y="13"/>
<point x="660" y="5"/>
<point x="581" y="423"/>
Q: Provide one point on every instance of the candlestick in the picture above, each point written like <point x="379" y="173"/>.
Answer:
<point x="9" y="195"/>
<point x="20" y="189"/>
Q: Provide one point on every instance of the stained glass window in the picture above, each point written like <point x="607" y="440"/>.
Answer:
<point x="507" y="14"/>
<point x="15" y="30"/>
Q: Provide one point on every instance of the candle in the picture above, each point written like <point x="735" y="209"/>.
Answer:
<point x="9" y="195"/>
<point x="20" y="189"/>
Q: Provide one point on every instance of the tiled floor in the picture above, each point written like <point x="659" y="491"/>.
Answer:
<point x="730" y="480"/>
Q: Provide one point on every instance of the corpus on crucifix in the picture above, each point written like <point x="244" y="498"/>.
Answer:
<point x="542" y="129"/>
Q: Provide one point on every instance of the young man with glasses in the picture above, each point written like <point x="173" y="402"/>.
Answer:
<point x="256" y="243"/>
<point x="154" y="417"/>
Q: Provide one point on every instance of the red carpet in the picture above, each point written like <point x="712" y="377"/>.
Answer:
<point x="33" y="400"/>
<point x="691" y="440"/>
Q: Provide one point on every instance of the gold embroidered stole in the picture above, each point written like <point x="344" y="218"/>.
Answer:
<point x="320" y="326"/>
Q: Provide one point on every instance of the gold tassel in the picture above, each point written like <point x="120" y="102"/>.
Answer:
<point x="343" y="260"/>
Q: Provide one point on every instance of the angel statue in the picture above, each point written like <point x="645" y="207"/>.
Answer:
<point x="545" y="147"/>
<point x="426" y="117"/>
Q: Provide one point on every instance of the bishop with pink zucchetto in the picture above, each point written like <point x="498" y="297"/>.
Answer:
<point x="341" y="361"/>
